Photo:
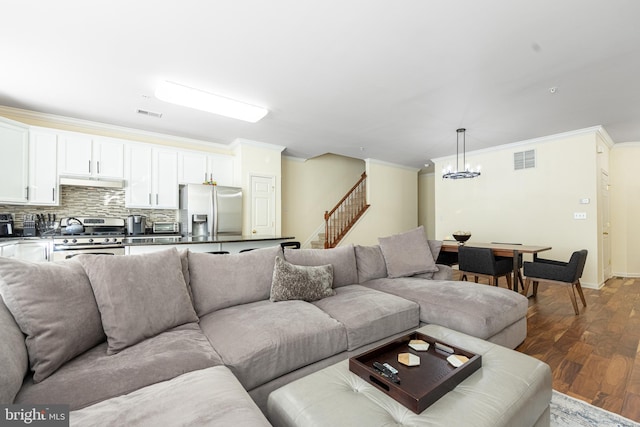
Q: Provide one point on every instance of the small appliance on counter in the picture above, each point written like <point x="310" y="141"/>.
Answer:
<point x="6" y="225"/>
<point x="136" y="225"/>
<point x="165" y="228"/>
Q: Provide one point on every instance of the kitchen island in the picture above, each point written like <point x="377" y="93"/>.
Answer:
<point x="231" y="243"/>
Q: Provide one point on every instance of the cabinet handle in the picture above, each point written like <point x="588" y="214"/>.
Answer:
<point x="53" y="194"/>
<point x="156" y="198"/>
<point x="27" y="191"/>
<point x="98" y="167"/>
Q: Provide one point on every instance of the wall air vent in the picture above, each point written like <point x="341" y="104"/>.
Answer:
<point x="524" y="160"/>
<point x="149" y="113"/>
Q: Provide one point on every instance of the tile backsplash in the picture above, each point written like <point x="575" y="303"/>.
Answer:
<point x="89" y="201"/>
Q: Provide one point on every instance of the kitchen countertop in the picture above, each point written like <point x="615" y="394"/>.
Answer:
<point x="177" y="240"/>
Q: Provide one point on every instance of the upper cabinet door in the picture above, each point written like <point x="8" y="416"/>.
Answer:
<point x="43" y="173"/>
<point x="108" y="157"/>
<point x="90" y="156"/>
<point x="138" y="170"/>
<point x="14" y="163"/>
<point x="75" y="154"/>
<point x="165" y="164"/>
<point x="192" y="167"/>
<point x="221" y="169"/>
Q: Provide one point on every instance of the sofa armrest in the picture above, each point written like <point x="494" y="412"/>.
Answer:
<point x="13" y="356"/>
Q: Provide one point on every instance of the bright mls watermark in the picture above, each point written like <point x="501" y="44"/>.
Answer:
<point x="34" y="415"/>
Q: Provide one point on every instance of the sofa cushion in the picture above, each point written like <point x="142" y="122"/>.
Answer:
<point x="218" y="281"/>
<point x="480" y="311"/>
<point x="139" y="296"/>
<point x="13" y="356"/>
<point x="369" y="315"/>
<point x="343" y="260"/>
<point x="263" y="340"/>
<point x="95" y="376"/>
<point x="207" y="397"/>
<point x="54" y="306"/>
<point x="370" y="263"/>
<point x="298" y="282"/>
<point x="408" y="253"/>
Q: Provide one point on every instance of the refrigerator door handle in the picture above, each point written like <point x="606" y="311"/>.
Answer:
<point x="214" y="224"/>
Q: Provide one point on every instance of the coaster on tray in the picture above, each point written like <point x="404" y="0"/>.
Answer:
<point x="419" y="345"/>
<point x="457" y="360"/>
<point x="409" y="359"/>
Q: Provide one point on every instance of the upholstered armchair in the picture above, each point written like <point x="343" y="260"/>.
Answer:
<point x="482" y="262"/>
<point x="558" y="272"/>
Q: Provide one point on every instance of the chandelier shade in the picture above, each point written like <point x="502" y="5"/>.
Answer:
<point x="467" y="172"/>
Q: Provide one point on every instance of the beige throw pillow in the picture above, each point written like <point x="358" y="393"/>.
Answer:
<point x="408" y="253"/>
<point x="297" y="282"/>
<point x="139" y="296"/>
<point x="54" y="306"/>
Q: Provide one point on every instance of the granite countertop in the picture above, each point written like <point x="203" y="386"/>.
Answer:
<point x="177" y="240"/>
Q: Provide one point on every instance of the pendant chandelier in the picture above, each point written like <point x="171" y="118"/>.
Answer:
<point x="449" y="173"/>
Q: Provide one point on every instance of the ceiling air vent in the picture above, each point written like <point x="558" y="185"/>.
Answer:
<point x="524" y="160"/>
<point x="149" y="113"/>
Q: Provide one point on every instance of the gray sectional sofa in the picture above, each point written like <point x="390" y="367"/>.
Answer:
<point x="191" y="338"/>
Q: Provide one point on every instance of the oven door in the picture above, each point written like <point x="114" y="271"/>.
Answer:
<point x="59" y="255"/>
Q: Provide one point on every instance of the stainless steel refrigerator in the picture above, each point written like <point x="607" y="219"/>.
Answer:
<point x="210" y="210"/>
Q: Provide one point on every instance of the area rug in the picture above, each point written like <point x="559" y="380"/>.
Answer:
<point x="569" y="412"/>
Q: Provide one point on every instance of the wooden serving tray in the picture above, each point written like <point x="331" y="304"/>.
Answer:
<point x="420" y="386"/>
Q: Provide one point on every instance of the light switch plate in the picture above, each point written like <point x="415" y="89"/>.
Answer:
<point x="579" y="215"/>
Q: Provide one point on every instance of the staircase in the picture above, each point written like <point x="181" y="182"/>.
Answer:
<point x="343" y="216"/>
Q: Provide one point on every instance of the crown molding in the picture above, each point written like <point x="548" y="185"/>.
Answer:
<point x="89" y="126"/>
<point x="394" y="165"/>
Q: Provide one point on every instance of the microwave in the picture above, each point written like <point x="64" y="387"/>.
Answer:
<point x="165" y="227"/>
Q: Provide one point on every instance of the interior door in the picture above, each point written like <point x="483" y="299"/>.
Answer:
<point x="263" y="205"/>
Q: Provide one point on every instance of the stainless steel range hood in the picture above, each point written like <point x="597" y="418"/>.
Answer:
<point x="91" y="182"/>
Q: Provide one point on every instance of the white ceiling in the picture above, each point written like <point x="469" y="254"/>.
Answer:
<point x="390" y="80"/>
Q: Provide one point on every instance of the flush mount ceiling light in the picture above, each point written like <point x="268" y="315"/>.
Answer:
<point x="449" y="173"/>
<point x="205" y="101"/>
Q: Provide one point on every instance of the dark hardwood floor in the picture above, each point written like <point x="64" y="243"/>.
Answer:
<point x="594" y="356"/>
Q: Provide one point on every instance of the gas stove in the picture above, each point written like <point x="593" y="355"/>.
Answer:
<point x="89" y="235"/>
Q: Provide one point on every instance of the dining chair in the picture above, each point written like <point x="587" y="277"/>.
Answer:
<point x="292" y="245"/>
<point x="511" y="259"/>
<point x="482" y="262"/>
<point x="558" y="272"/>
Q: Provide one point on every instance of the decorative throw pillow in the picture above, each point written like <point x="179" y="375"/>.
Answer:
<point x="434" y="247"/>
<point x="370" y="263"/>
<point x="297" y="282"/>
<point x="407" y="253"/>
<point x="343" y="260"/>
<point x="139" y="296"/>
<point x="53" y="304"/>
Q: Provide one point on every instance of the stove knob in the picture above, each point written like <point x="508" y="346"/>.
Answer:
<point x="65" y="241"/>
<point x="90" y="240"/>
<point x="106" y="240"/>
<point x="74" y="241"/>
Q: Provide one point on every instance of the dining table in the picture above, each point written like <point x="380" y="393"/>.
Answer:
<point x="510" y="250"/>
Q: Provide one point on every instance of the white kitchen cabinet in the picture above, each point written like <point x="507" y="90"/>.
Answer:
<point x="90" y="156"/>
<point x="43" y="171"/>
<point x="35" y="251"/>
<point x="197" y="167"/>
<point x="152" y="177"/>
<point x="14" y="162"/>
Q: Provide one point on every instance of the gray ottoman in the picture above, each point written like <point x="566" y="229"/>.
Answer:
<point x="511" y="389"/>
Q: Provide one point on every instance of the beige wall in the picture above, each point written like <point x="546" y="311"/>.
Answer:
<point x="533" y="206"/>
<point x="311" y="187"/>
<point x="625" y="209"/>
<point x="259" y="159"/>
<point x="393" y="195"/>
<point x="427" y="203"/>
